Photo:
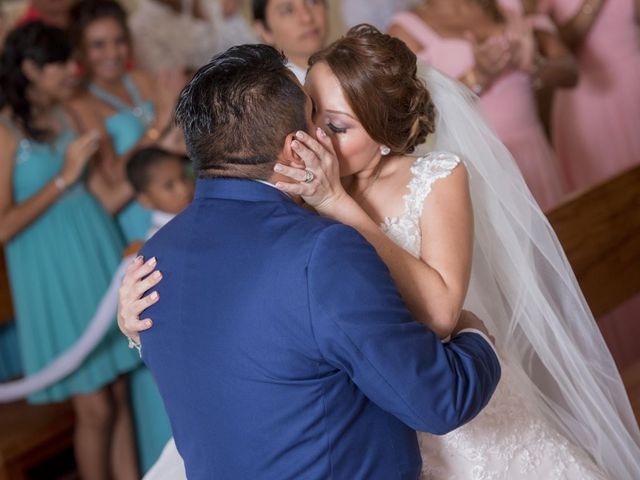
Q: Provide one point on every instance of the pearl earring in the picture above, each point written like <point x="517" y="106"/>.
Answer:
<point x="384" y="150"/>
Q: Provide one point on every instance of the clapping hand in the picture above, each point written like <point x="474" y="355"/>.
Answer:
<point x="78" y="154"/>
<point x="523" y="43"/>
<point x="492" y="56"/>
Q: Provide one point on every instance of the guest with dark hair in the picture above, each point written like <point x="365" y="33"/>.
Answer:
<point x="130" y="107"/>
<point x="61" y="246"/>
<point x="299" y="28"/>
<point x="132" y="110"/>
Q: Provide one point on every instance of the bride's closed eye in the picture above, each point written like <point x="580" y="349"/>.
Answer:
<point x="336" y="129"/>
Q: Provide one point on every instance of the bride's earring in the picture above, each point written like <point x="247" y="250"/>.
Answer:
<point x="384" y="150"/>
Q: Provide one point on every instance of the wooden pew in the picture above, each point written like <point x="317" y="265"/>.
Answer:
<point x="600" y="232"/>
<point x="29" y="434"/>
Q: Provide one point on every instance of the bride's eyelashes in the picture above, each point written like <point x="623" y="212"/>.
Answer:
<point x="336" y="129"/>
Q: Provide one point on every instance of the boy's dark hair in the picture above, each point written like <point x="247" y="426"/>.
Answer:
<point x="238" y="110"/>
<point x="141" y="163"/>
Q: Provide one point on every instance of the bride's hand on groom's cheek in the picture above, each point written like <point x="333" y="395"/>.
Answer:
<point x="318" y="183"/>
<point x="139" y="278"/>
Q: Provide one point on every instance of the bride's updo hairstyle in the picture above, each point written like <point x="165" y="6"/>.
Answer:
<point x="378" y="75"/>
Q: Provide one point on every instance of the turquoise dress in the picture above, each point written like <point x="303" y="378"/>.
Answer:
<point x="125" y="128"/>
<point x="59" y="267"/>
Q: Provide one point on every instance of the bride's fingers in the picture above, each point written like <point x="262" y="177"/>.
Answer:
<point x="307" y="155"/>
<point x="325" y="141"/>
<point x="143" y="285"/>
<point x="131" y="315"/>
<point x="302" y="189"/>
<point x="136" y="326"/>
<point x="296" y="174"/>
<point x="137" y="271"/>
<point x="319" y="150"/>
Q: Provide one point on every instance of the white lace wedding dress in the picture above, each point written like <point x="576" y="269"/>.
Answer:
<point x="509" y="439"/>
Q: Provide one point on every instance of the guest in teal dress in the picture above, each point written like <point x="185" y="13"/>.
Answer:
<point x="129" y="107"/>
<point x="61" y="247"/>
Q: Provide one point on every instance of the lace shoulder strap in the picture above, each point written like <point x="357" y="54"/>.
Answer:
<point x="426" y="170"/>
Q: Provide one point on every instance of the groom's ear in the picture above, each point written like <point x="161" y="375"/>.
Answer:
<point x="290" y="156"/>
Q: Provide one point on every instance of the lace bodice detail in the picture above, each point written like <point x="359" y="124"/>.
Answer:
<point x="404" y="230"/>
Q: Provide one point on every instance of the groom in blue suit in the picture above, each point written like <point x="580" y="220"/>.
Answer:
<point x="280" y="345"/>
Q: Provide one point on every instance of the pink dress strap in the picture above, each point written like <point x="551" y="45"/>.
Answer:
<point x="452" y="56"/>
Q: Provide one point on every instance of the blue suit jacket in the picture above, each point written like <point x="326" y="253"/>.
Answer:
<point x="283" y="350"/>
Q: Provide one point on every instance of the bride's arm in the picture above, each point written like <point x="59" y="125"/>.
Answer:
<point x="433" y="286"/>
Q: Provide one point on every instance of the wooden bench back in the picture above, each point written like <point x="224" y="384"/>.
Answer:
<point x="600" y="232"/>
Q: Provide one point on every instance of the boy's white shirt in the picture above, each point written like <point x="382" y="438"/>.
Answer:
<point x="158" y="220"/>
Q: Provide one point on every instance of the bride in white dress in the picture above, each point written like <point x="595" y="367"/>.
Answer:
<point x="560" y="411"/>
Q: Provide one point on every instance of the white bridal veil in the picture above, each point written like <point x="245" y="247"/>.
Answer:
<point x="523" y="287"/>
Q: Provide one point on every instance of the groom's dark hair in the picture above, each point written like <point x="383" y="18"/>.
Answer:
<point x="237" y="111"/>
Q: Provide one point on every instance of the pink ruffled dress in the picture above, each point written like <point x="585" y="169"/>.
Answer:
<point x="509" y="106"/>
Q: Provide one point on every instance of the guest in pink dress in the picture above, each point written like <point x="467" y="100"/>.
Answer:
<point x="595" y="126"/>
<point x="494" y="50"/>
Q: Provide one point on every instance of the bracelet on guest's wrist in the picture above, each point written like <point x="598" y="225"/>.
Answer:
<point x="60" y="183"/>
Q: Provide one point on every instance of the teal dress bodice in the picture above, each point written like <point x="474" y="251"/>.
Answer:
<point x="125" y="128"/>
<point x="37" y="163"/>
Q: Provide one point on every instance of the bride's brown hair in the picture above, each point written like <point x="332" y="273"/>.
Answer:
<point x="378" y="75"/>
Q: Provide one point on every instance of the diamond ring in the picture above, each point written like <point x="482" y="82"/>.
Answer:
<point x="309" y="177"/>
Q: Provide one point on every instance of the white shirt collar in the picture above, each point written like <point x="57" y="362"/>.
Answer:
<point x="266" y="183"/>
<point x="299" y="72"/>
<point x="158" y="220"/>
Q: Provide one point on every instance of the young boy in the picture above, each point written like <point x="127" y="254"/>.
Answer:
<point x="162" y="184"/>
